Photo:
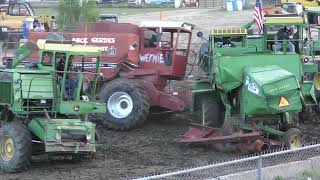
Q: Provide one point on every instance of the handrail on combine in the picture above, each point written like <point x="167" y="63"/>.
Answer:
<point x="29" y="90"/>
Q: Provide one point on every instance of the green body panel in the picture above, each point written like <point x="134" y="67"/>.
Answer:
<point x="6" y="87"/>
<point x="310" y="67"/>
<point x="58" y="133"/>
<point x="264" y="87"/>
<point x="202" y="89"/>
<point x="36" y="86"/>
<point x="306" y="88"/>
<point x="256" y="41"/>
<point x="229" y="71"/>
<point x="80" y="107"/>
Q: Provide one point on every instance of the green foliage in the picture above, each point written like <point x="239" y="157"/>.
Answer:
<point x="313" y="174"/>
<point x="278" y="178"/>
<point x="71" y="12"/>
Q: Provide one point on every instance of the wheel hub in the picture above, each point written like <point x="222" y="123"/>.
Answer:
<point x="295" y="142"/>
<point x="120" y="105"/>
<point x="7" y="148"/>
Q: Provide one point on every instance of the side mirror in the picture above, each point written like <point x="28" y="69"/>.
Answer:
<point x="200" y="34"/>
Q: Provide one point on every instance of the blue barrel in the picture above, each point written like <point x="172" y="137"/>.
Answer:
<point x="25" y="31"/>
<point x="234" y="5"/>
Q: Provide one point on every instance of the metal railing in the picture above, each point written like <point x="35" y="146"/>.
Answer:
<point x="300" y="163"/>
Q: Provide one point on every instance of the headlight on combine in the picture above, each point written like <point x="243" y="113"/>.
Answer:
<point x="58" y="136"/>
<point x="85" y="98"/>
<point x="89" y="137"/>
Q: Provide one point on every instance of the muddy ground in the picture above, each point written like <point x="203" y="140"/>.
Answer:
<point x="150" y="148"/>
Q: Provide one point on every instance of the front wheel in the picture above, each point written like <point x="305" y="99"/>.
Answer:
<point x="292" y="138"/>
<point x="127" y="104"/>
<point x="15" y="148"/>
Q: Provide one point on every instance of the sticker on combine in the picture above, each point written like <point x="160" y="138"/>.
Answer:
<point x="283" y="102"/>
<point x="152" y="58"/>
<point x="253" y="87"/>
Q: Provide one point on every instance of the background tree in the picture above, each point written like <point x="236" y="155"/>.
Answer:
<point x="72" y="12"/>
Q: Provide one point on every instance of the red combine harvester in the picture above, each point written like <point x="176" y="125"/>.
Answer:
<point x="137" y="63"/>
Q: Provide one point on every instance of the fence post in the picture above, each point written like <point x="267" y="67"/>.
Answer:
<point x="259" y="168"/>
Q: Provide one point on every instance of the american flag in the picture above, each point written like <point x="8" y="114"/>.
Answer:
<point x="258" y="15"/>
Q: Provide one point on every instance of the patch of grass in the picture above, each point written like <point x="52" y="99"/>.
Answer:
<point x="313" y="174"/>
<point x="278" y="178"/>
<point x="108" y="10"/>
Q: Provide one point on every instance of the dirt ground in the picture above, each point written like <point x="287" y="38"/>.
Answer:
<point x="151" y="148"/>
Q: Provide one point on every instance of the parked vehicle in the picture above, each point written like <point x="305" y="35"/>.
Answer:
<point x="304" y="3"/>
<point x="106" y="1"/>
<point x="17" y="12"/>
<point x="156" y="2"/>
<point x="188" y="3"/>
<point x="284" y="8"/>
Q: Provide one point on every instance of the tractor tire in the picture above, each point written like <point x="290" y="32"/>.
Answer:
<point x="15" y="148"/>
<point x="292" y="138"/>
<point x="127" y="104"/>
<point x="212" y="112"/>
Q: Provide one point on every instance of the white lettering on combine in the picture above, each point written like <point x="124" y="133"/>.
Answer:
<point x="103" y="40"/>
<point x="80" y="40"/>
<point x="153" y="58"/>
<point x="95" y="40"/>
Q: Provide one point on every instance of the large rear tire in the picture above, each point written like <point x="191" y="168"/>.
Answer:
<point x="127" y="104"/>
<point x="212" y="112"/>
<point x="15" y="148"/>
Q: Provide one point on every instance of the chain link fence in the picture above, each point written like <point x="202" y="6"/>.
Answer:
<point x="293" y="164"/>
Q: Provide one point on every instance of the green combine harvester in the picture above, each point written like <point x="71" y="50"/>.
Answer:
<point x="38" y="111"/>
<point x="252" y="93"/>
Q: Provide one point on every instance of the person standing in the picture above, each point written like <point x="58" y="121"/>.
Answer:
<point x="282" y="35"/>
<point x="299" y="8"/>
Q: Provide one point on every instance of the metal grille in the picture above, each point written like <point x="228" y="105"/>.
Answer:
<point x="300" y="163"/>
<point x="229" y="31"/>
